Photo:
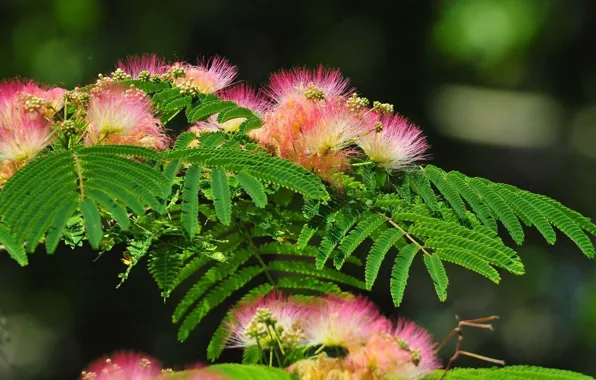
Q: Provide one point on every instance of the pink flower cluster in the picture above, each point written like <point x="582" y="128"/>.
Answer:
<point x="25" y="127"/>
<point x="132" y="366"/>
<point x="313" y="118"/>
<point x="375" y="346"/>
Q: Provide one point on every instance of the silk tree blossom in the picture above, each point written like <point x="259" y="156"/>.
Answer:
<point x="332" y="128"/>
<point x="395" y="144"/>
<point x="208" y="76"/>
<point x="120" y="116"/>
<point x="344" y="322"/>
<point x="24" y="131"/>
<point x="267" y="320"/>
<point x="299" y="83"/>
<point x="24" y="137"/>
<point x="144" y="66"/>
<point x="381" y="357"/>
<point x="123" y="366"/>
<point x="418" y="341"/>
<point x="243" y="95"/>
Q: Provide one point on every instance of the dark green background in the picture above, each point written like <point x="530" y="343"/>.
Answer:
<point x="504" y="89"/>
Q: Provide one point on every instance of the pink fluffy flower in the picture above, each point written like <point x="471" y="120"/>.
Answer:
<point x="344" y="322"/>
<point x="24" y="126"/>
<point x="382" y="356"/>
<point x="23" y="137"/>
<point x="395" y="144"/>
<point x="209" y="76"/>
<point x="420" y="342"/>
<point x="318" y="84"/>
<point x="264" y="319"/>
<point x="332" y="128"/>
<point x="148" y="63"/>
<point x="244" y="96"/>
<point x="123" y="366"/>
<point x="119" y="116"/>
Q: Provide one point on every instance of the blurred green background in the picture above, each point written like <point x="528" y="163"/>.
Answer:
<point x="504" y="89"/>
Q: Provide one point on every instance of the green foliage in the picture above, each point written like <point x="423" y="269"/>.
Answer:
<point x="249" y="372"/>
<point x="218" y="217"/>
<point x="508" y="373"/>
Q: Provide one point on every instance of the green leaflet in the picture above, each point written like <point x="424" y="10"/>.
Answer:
<point x="469" y="260"/>
<point x="377" y="254"/>
<point x="217" y="295"/>
<point x="164" y="266"/>
<point x="356" y="237"/>
<point x="399" y="273"/>
<point x="253" y="188"/>
<point x="92" y="222"/>
<point x="190" y="200"/>
<point x="437" y="273"/>
<point x="14" y="248"/>
<point x="222" y="198"/>
<point x="437" y="177"/>
<point x="500" y="207"/>
<point x="515" y="372"/>
<point x="203" y="110"/>
<point x="249" y="372"/>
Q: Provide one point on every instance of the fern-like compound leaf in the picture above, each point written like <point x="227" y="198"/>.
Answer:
<point x="216" y="296"/>
<point x="515" y="372"/>
<point x="307" y="269"/>
<point x="92" y="222"/>
<point x="306" y="234"/>
<point x="205" y="109"/>
<point x="13" y="246"/>
<point x="469" y="260"/>
<point x="164" y="266"/>
<point x="458" y="182"/>
<point x="190" y="200"/>
<point x="500" y="207"/>
<point x="437" y="273"/>
<point x="528" y="211"/>
<point x="235" y="112"/>
<point x="377" y="254"/>
<point x="265" y="168"/>
<point x="562" y="221"/>
<point x="399" y="273"/>
<point x="356" y="237"/>
<point x="222" y="198"/>
<point x="253" y="187"/>
<point x="438" y="178"/>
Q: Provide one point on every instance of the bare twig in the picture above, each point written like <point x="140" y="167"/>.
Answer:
<point x="478" y="323"/>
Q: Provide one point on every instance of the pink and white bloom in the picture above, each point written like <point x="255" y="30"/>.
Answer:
<point x="243" y="95"/>
<point x="209" y="76"/>
<point x="332" y="128"/>
<point x="119" y="116"/>
<point x="395" y="144"/>
<point x="344" y="322"/>
<point x="419" y="341"/>
<point x="287" y="315"/>
<point x="23" y="137"/>
<point x="24" y="131"/>
<point x="299" y="83"/>
<point x="123" y="366"/>
<point x="148" y="63"/>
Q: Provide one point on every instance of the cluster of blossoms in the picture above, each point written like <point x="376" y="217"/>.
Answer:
<point x="131" y="366"/>
<point x="374" y="347"/>
<point x="310" y="117"/>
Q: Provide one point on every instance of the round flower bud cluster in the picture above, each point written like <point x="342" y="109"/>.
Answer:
<point x="382" y="107"/>
<point x="356" y="103"/>
<point x="187" y="87"/>
<point x="32" y="103"/>
<point x="145" y="75"/>
<point x="312" y="92"/>
<point x="119" y="74"/>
